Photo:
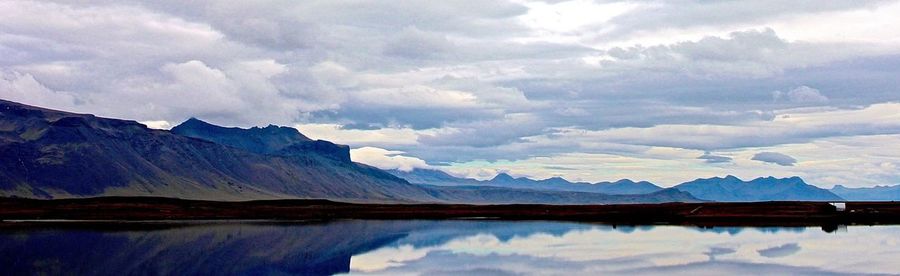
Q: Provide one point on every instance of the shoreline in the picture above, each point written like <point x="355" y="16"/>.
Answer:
<point x="146" y="209"/>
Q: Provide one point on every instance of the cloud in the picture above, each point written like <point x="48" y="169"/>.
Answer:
<point x="662" y="15"/>
<point x="485" y="133"/>
<point x="385" y="137"/>
<point x="783" y="250"/>
<point x="157" y="124"/>
<point x="748" y="53"/>
<point x="15" y="86"/>
<point x="787" y="126"/>
<point x="802" y="95"/>
<point x="412" y="43"/>
<point x="386" y="159"/>
<point x="775" y="158"/>
<point x="710" y="158"/>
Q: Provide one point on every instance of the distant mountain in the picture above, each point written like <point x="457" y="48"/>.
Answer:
<point x="433" y="177"/>
<point x="627" y="187"/>
<point x="502" y="195"/>
<point x="732" y="189"/>
<point x="441" y="178"/>
<point x="54" y="154"/>
<point x="877" y="193"/>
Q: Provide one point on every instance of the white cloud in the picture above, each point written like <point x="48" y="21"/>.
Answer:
<point x="15" y="86"/>
<point x="417" y="96"/>
<point x="381" y="137"/>
<point x="386" y="159"/>
<point x="157" y="124"/>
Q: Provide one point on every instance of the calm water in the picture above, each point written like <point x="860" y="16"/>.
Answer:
<point x="446" y="248"/>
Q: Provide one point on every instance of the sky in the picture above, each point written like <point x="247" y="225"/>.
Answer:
<point x="664" y="91"/>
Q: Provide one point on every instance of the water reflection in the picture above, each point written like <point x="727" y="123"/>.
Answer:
<point x="780" y="251"/>
<point x="446" y="247"/>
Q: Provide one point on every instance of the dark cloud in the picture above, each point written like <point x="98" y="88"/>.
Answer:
<point x="710" y="158"/>
<point x="775" y="158"/>
<point x="783" y="250"/>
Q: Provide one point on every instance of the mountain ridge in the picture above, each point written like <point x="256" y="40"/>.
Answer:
<point x="876" y="193"/>
<point x="270" y="140"/>
<point x="441" y="178"/>
<point x="733" y="189"/>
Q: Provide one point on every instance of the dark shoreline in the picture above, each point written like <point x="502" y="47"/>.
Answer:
<point x="702" y="214"/>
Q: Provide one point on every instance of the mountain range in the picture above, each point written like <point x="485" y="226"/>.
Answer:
<point x="726" y="189"/>
<point x="54" y="154"/>
<point x="441" y="178"/>
<point x="877" y="193"/>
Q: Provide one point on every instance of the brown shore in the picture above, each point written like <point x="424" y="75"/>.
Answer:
<point x="707" y="213"/>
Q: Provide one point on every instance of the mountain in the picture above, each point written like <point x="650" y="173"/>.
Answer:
<point x="433" y="177"/>
<point x="46" y="153"/>
<point x="441" y="178"/>
<point x="628" y="187"/>
<point x="272" y="140"/>
<point x="54" y="154"/>
<point x="877" y="193"/>
<point x="732" y="189"/>
<point x="502" y="195"/>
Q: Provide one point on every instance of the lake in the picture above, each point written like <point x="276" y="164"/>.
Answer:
<point x="453" y="247"/>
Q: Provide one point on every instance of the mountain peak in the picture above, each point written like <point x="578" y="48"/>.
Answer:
<point x="194" y="122"/>
<point x="503" y="177"/>
<point x="271" y="139"/>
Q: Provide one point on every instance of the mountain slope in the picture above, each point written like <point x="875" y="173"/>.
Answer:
<point x="51" y="154"/>
<point x="877" y="193"/>
<point x="732" y="189"/>
<point x="46" y="153"/>
<point x="440" y="178"/>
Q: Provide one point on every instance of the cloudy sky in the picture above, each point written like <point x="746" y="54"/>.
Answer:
<point x="665" y="91"/>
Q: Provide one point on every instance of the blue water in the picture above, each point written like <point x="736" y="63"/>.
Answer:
<point x="443" y="248"/>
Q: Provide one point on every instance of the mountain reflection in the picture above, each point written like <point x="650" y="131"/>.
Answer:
<point x="437" y="247"/>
